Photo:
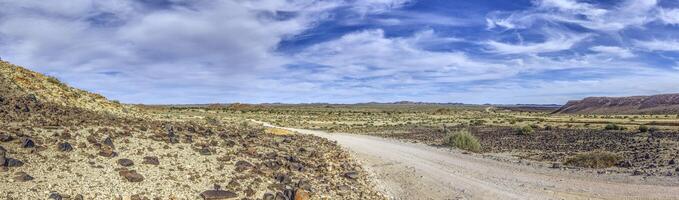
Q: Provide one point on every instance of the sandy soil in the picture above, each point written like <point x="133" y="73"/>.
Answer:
<point x="418" y="171"/>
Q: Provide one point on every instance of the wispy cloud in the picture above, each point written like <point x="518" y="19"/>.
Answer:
<point x="612" y="50"/>
<point x="555" y="41"/>
<point x="659" y="45"/>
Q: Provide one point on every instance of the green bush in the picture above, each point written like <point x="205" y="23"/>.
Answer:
<point x="463" y="140"/>
<point x="594" y="160"/>
<point x="525" y="130"/>
<point x="643" y="128"/>
<point x="613" y="127"/>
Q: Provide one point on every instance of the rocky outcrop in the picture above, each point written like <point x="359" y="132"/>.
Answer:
<point x="656" y="104"/>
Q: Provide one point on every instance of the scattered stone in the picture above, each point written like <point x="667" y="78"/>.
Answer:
<point x="625" y="164"/>
<point x="637" y="173"/>
<point x="109" y="153"/>
<point x="243" y="165"/>
<point x="205" y="151"/>
<point x="65" y="147"/>
<point x="11" y="162"/>
<point x="151" y="160"/>
<point x="55" y="196"/>
<point x="301" y="194"/>
<point x="3" y="153"/>
<point x="5" y="138"/>
<point x="27" y="142"/>
<point x="125" y="162"/>
<point x="23" y="177"/>
<point x="131" y="175"/>
<point x="351" y="175"/>
<point x="218" y="194"/>
<point x="108" y="142"/>
<point x="556" y="165"/>
<point x="78" y="197"/>
<point x="268" y="196"/>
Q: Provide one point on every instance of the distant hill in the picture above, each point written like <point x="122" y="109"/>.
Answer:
<point x="16" y="81"/>
<point x="656" y="104"/>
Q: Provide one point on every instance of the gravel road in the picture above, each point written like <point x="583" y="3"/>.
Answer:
<point x="417" y="171"/>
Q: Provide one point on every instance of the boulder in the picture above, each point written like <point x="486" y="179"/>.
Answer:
<point x="27" y="142"/>
<point x="151" y="160"/>
<point x="218" y="195"/>
<point x="131" y="175"/>
<point x="65" y="147"/>
<point x="125" y="162"/>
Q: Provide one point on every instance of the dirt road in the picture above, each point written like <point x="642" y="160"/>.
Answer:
<point x="417" y="171"/>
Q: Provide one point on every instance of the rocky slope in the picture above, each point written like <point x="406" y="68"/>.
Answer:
<point x="57" y="142"/>
<point x="656" y="104"/>
<point x="17" y="81"/>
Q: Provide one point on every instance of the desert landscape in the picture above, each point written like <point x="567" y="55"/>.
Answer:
<point x="339" y="100"/>
<point x="61" y="142"/>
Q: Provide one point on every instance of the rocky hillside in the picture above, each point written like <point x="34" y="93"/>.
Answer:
<point x="57" y="142"/>
<point x="18" y="81"/>
<point x="656" y="104"/>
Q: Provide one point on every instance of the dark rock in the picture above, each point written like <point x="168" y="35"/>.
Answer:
<point x="6" y="138"/>
<point x="672" y="162"/>
<point x="23" y="177"/>
<point x="268" y="196"/>
<point x="625" y="164"/>
<point x="125" y="162"/>
<point x="109" y="153"/>
<point x="556" y="165"/>
<point x="205" y="151"/>
<point x="55" y="196"/>
<point x="296" y="167"/>
<point x="281" y="196"/>
<point x="78" y="197"/>
<point x="151" y="160"/>
<point x="65" y="147"/>
<point x="3" y="153"/>
<point x="637" y="173"/>
<point x="243" y="165"/>
<point x="131" y="175"/>
<point x="108" y="142"/>
<point x="218" y="194"/>
<point x="351" y="175"/>
<point x="11" y="162"/>
<point x="27" y="143"/>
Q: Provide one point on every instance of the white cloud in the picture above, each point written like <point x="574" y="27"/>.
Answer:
<point x="630" y="13"/>
<point x="613" y="50"/>
<point x="368" y="54"/>
<point x="555" y="41"/>
<point x="659" y="45"/>
<point x="670" y="16"/>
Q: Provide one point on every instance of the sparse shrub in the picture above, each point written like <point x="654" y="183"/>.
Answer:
<point x="211" y="120"/>
<point x="594" y="160"/>
<point x="463" y="140"/>
<point x="613" y="127"/>
<point x="525" y="130"/>
<point x="643" y="128"/>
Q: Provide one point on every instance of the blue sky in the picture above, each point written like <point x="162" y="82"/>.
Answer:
<point x="347" y="51"/>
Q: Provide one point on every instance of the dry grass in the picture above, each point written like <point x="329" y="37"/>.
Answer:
<point x="463" y="140"/>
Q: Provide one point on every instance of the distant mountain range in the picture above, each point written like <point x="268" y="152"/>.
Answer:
<point x="656" y="104"/>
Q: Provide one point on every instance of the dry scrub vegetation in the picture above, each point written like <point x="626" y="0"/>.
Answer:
<point x="644" y="144"/>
